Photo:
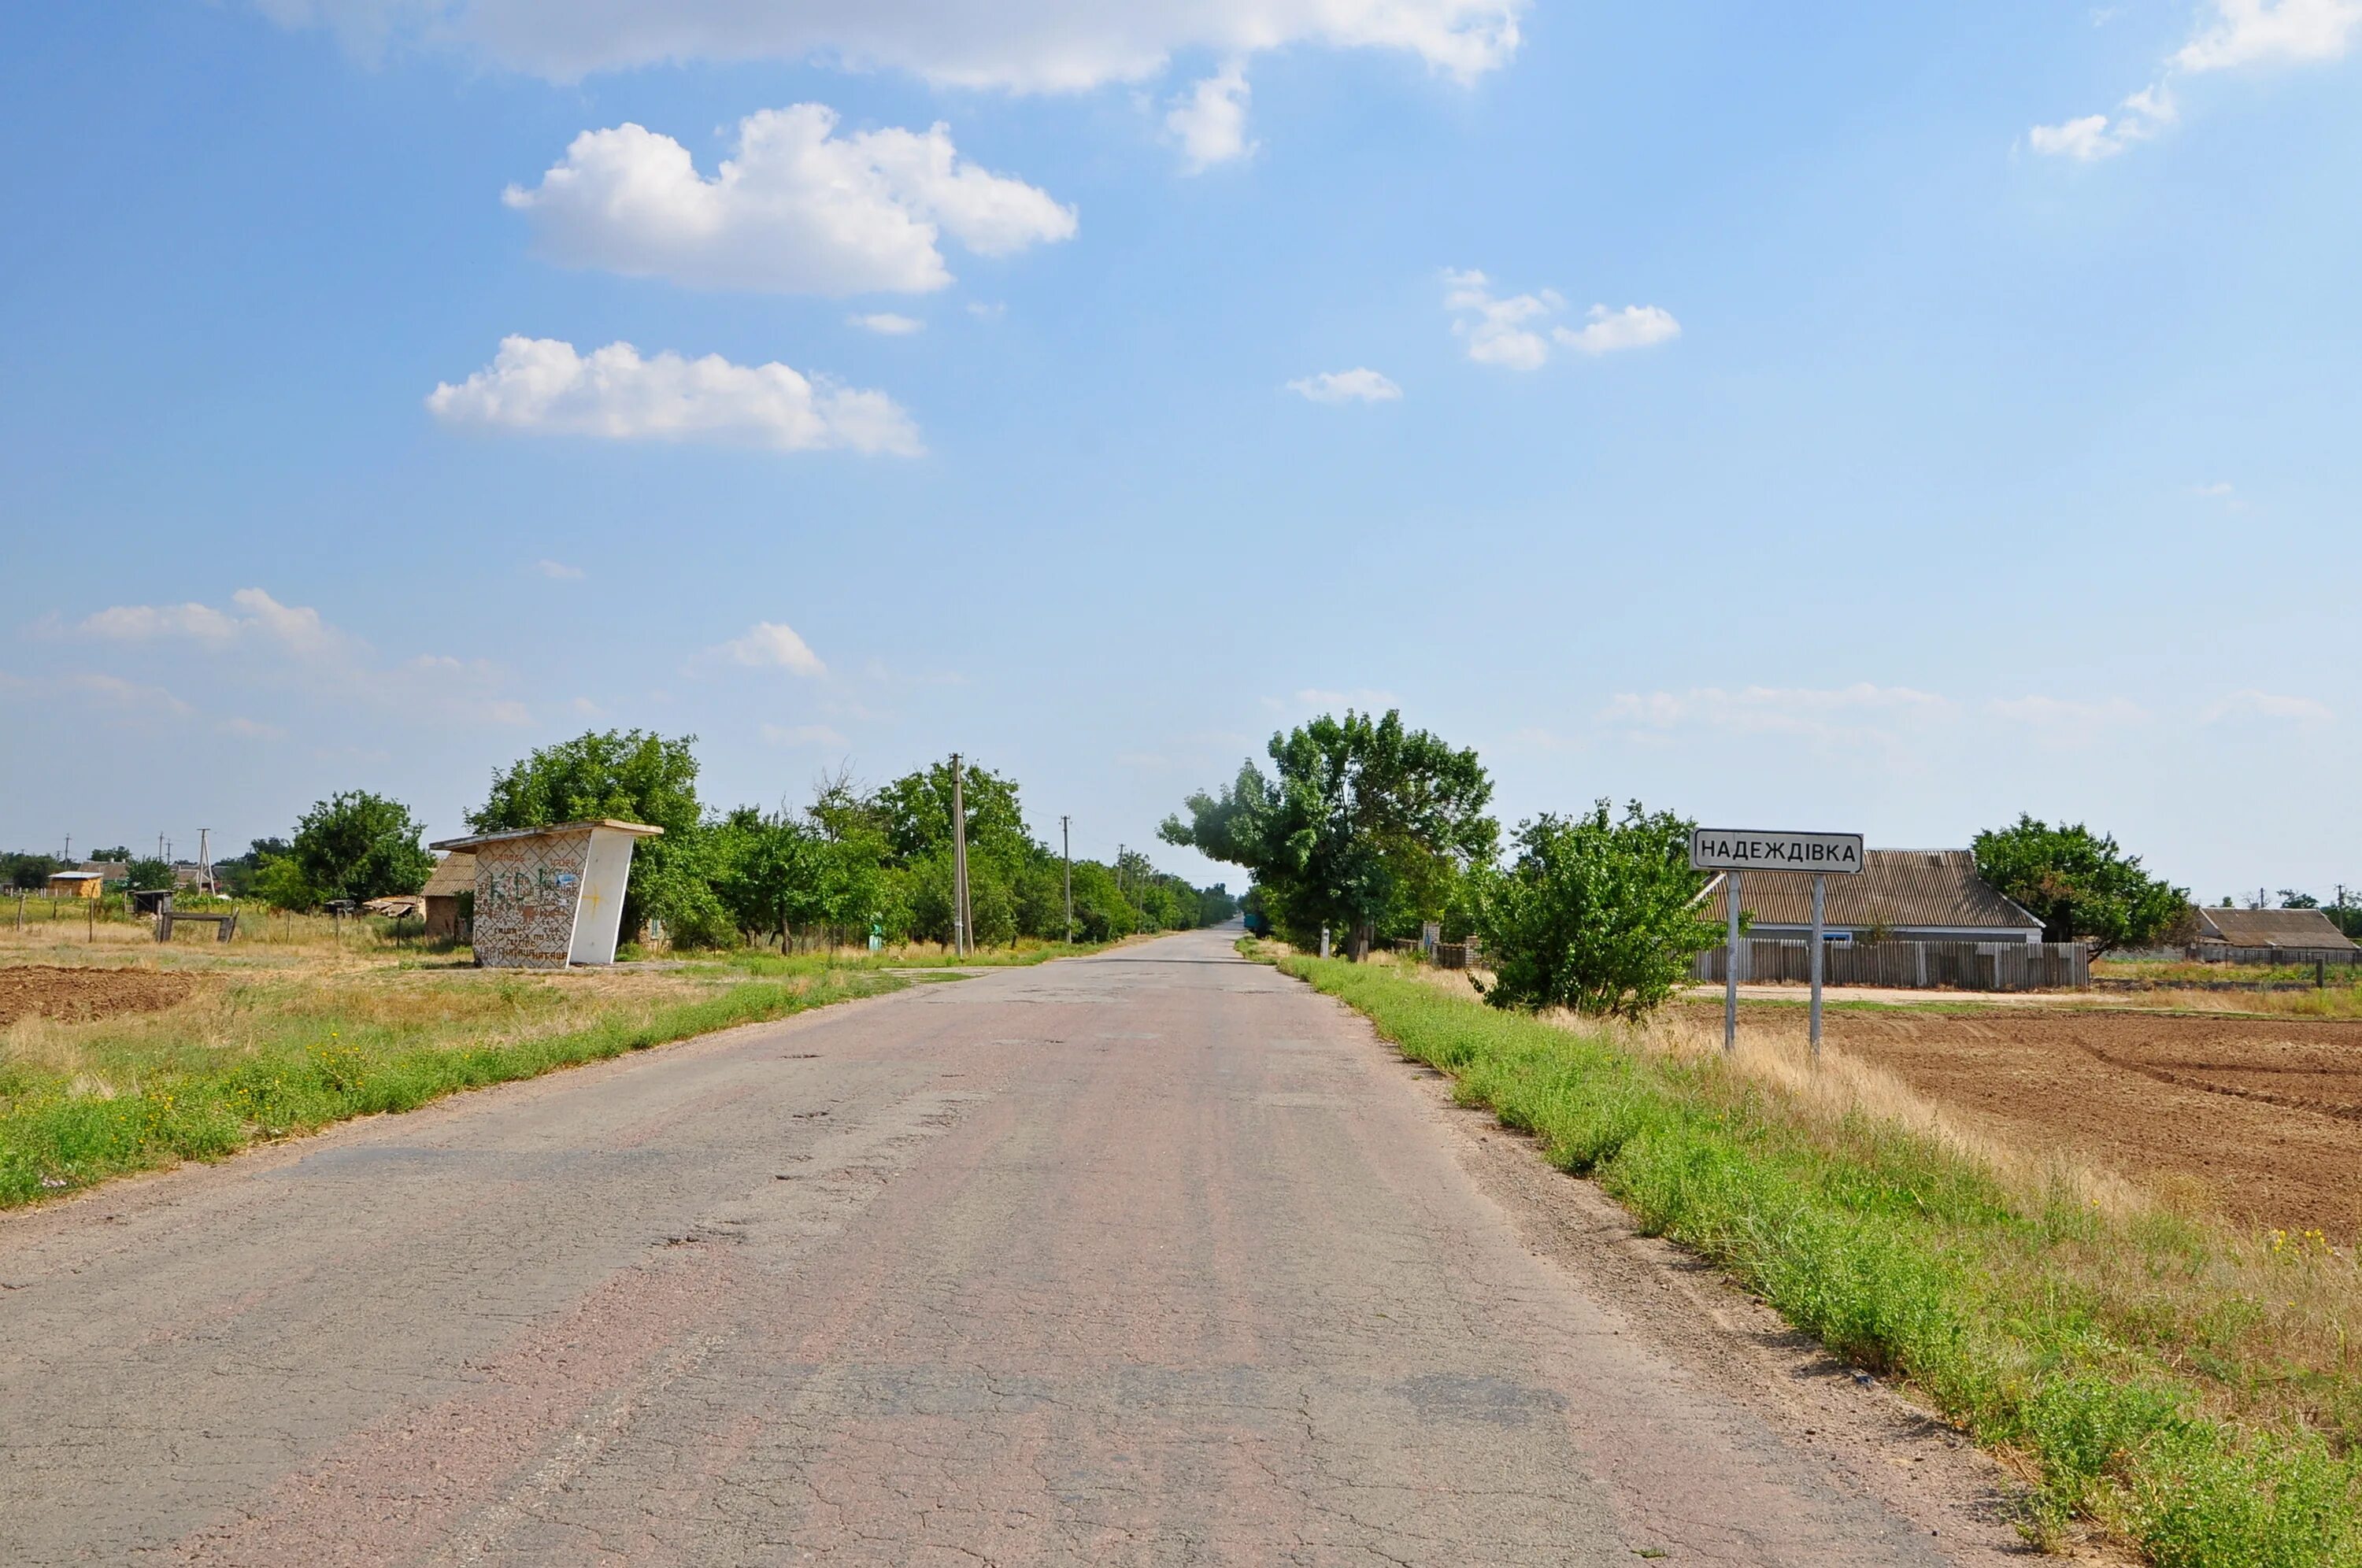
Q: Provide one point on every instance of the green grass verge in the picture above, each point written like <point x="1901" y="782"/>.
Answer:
<point x="1912" y="1261"/>
<point x="53" y="1140"/>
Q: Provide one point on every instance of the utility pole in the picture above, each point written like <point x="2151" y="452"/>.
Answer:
<point x="205" y="862"/>
<point x="1066" y="848"/>
<point x="68" y="856"/>
<point x="959" y="862"/>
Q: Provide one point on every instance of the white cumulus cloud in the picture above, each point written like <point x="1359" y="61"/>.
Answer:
<point x="2095" y="137"/>
<point x="1209" y="120"/>
<point x="1509" y="331"/>
<point x="1605" y="331"/>
<point x="2249" y="32"/>
<point x="2242" y="33"/>
<point x="773" y="644"/>
<point x="887" y="323"/>
<point x="256" y="616"/>
<point x="2254" y="704"/>
<point x="799" y="209"/>
<point x="542" y="386"/>
<point x="1024" y="44"/>
<point x="1346" y="386"/>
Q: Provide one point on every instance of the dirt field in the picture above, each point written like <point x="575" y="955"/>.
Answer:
<point x="2258" y="1119"/>
<point x="46" y="991"/>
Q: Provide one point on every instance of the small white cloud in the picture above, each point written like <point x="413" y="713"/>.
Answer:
<point x="1361" y="700"/>
<point x="2244" y="33"/>
<point x="2253" y="32"/>
<point x="1346" y="386"/>
<point x="1497" y="329"/>
<point x="773" y="644"/>
<point x="2254" y="705"/>
<point x="1028" y="46"/>
<point x="2066" y="713"/>
<point x="816" y="736"/>
<point x="295" y="628"/>
<point x="984" y="312"/>
<point x="799" y="210"/>
<point x="1210" y="119"/>
<point x="558" y="571"/>
<point x="2095" y="137"/>
<point x="587" y="708"/>
<point x="541" y="386"/>
<point x="1607" y="331"/>
<point x="126" y="699"/>
<point x="887" y="323"/>
<point x="1766" y="710"/>
<point x="2220" y="488"/>
<point x="1507" y="331"/>
<point x="253" y="729"/>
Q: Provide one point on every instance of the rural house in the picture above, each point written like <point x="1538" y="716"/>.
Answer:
<point x="76" y="884"/>
<point x="455" y="876"/>
<point x="2224" y="932"/>
<point x="1900" y="895"/>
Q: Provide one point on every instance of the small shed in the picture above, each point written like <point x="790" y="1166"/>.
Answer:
<point x="2270" y="930"/>
<point x="455" y="876"/>
<point x="1905" y="895"/>
<point x="548" y="896"/>
<point x="76" y="884"/>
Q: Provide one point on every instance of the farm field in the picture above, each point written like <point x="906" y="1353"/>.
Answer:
<point x="2257" y="1119"/>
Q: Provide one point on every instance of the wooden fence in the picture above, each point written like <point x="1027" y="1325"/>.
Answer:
<point x="1910" y="965"/>
<point x="2220" y="953"/>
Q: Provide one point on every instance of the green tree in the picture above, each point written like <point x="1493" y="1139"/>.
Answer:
<point x="279" y="882"/>
<point x="627" y="776"/>
<point x="1362" y="824"/>
<point x="29" y="872"/>
<point x="2293" y="899"/>
<point x="1593" y="914"/>
<point x="915" y="814"/>
<point x="359" y="845"/>
<point x="2078" y="884"/>
<point x="119" y="855"/>
<point x="148" y="875"/>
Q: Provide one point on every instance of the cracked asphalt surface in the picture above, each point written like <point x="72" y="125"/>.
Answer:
<point x="1155" y="1257"/>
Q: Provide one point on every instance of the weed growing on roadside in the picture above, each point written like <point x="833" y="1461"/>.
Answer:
<point x="2152" y="1370"/>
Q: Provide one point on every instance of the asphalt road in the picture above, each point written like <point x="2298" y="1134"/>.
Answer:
<point x="1156" y="1257"/>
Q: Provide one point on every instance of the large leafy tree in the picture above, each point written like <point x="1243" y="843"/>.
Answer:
<point x="1593" y="914"/>
<point x="2078" y="884"/>
<point x="1362" y="824"/>
<point x="629" y="776"/>
<point x="359" y="845"/>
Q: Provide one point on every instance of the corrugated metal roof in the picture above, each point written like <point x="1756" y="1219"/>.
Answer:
<point x="1898" y="887"/>
<point x="454" y="873"/>
<point x="2271" y="928"/>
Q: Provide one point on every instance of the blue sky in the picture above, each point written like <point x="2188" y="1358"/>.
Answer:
<point x="1868" y="418"/>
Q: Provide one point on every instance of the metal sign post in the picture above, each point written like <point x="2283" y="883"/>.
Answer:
<point x="1730" y="974"/>
<point x="1733" y="852"/>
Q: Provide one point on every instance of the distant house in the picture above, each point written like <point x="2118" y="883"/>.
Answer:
<point x="1900" y="895"/>
<point x="108" y="870"/>
<point x="76" y="884"/>
<point x="2269" y="931"/>
<point x="454" y="876"/>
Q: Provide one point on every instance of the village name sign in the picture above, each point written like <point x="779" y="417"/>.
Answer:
<point x="1734" y="852"/>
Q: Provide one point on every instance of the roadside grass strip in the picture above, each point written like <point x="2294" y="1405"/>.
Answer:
<point x="2129" y="1367"/>
<point x="56" y="1135"/>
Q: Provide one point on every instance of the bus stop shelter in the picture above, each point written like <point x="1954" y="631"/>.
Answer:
<point x="550" y="896"/>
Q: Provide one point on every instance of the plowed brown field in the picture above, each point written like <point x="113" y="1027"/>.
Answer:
<point x="2258" y="1119"/>
<point x="45" y="991"/>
